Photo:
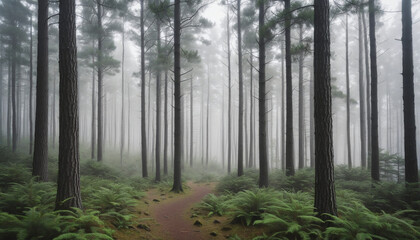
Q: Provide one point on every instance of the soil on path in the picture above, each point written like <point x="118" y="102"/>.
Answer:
<point x="173" y="216"/>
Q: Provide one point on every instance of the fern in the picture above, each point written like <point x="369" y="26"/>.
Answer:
<point x="248" y="206"/>
<point x="215" y="205"/>
<point x="83" y="236"/>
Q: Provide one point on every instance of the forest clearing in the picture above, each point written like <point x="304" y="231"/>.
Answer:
<point x="201" y="119"/>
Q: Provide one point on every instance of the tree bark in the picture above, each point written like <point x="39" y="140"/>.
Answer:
<point x="230" y="96"/>
<point x="122" y="95"/>
<point x="208" y="115"/>
<point x="157" y="146"/>
<point x="301" y="105"/>
<point x="251" y="126"/>
<point x="100" y="82"/>
<point x="241" y="100"/>
<point x="177" y="187"/>
<point x="191" y="121"/>
<point x="290" y="166"/>
<point x="165" y="134"/>
<point x="68" y="187"/>
<point x="31" y="123"/>
<point x="93" y="137"/>
<point x="374" y="100"/>
<point x="411" y="167"/>
<point x="362" y="102"/>
<point x="263" y="180"/>
<point x="325" y="201"/>
<point x="368" y="92"/>
<point x="40" y="158"/>
<point x="349" y="162"/>
<point x="143" y="97"/>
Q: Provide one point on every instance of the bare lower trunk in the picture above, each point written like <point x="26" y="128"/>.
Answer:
<point x="349" y="162"/>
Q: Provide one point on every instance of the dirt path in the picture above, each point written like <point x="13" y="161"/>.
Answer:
<point x="172" y="216"/>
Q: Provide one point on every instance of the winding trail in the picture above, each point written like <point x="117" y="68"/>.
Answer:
<point x="172" y="215"/>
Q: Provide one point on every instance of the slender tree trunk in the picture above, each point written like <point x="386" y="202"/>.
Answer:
<point x="9" y="104"/>
<point x="283" y="142"/>
<point x="311" y="121"/>
<point x="230" y="96"/>
<point x="31" y="123"/>
<point x="40" y="159"/>
<point x="223" y="128"/>
<point x="246" y="129"/>
<point x="53" y="113"/>
<point x="122" y="95"/>
<point x="324" y="162"/>
<point x="362" y="102"/>
<point x="157" y="149"/>
<point x="165" y="137"/>
<point x="143" y="97"/>
<point x="100" y="82"/>
<point x="191" y="121"/>
<point x="251" y="126"/>
<point x="177" y="187"/>
<point x="14" y="118"/>
<point x="301" y="105"/>
<point x="208" y="115"/>
<point x="128" y="119"/>
<point x="349" y="162"/>
<point x="68" y="187"/>
<point x="93" y="137"/>
<point x="263" y="180"/>
<point x="411" y="167"/>
<point x="368" y="98"/>
<point x="374" y="100"/>
<point x="290" y="166"/>
<point x="241" y="100"/>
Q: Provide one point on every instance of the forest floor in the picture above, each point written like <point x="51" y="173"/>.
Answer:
<point x="166" y="215"/>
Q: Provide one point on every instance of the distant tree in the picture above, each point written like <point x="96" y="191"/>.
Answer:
<point x="241" y="86"/>
<point x="262" y="117"/>
<point x="68" y="187"/>
<point x="40" y="158"/>
<point x="290" y="166"/>
<point x="14" y="16"/>
<point x="325" y="201"/>
<point x="411" y="167"/>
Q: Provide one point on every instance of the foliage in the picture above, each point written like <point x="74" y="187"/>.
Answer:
<point x="294" y="218"/>
<point x="249" y="205"/>
<point x="234" y="184"/>
<point x="215" y="205"/>
<point x="13" y="173"/>
<point x="303" y="180"/>
<point x="358" y="222"/>
<point x="31" y="194"/>
<point x="93" y="168"/>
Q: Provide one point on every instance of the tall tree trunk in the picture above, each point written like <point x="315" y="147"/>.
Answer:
<point x="177" y="187"/>
<point x="157" y="149"/>
<point x="290" y="166"/>
<point x="122" y="95"/>
<point x="208" y="115"/>
<point x="100" y="82"/>
<point x="362" y="102"/>
<point x="283" y="133"/>
<point x="143" y="97"/>
<point x="230" y="96"/>
<point x="93" y="137"/>
<point x="165" y="134"/>
<point x="223" y="128"/>
<point x="368" y="98"/>
<point x="263" y="180"/>
<point x="128" y="118"/>
<point x="53" y="113"/>
<point x="349" y="162"/>
<point x="68" y="187"/>
<point x="301" y="105"/>
<point x="311" y="121"/>
<point x="241" y="100"/>
<point x="31" y="74"/>
<point x="191" y="121"/>
<point x="40" y="159"/>
<point x="324" y="161"/>
<point x="9" y="104"/>
<point x="14" y="118"/>
<point x="411" y="167"/>
<point x="251" y="126"/>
